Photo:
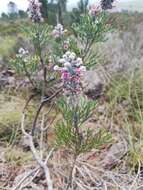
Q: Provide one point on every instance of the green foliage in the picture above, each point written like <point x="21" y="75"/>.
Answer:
<point x="10" y="116"/>
<point x="92" y="60"/>
<point x="56" y="46"/>
<point x="75" y="15"/>
<point x="83" y="112"/>
<point x="125" y="21"/>
<point x="73" y="45"/>
<point x="30" y="65"/>
<point x="129" y="89"/>
<point x="96" y="140"/>
<point x="72" y="136"/>
<point x="38" y="34"/>
<point x="7" y="44"/>
<point x="81" y="9"/>
<point x="133" y="124"/>
<point x="13" y="16"/>
<point x="4" y="17"/>
<point x="17" y="65"/>
<point x="17" y="156"/>
<point x="135" y="142"/>
<point x="64" y="135"/>
<point x="11" y="28"/>
<point x="89" y="32"/>
<point x="22" y="14"/>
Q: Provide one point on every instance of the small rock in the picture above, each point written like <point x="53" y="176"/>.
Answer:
<point x="24" y="143"/>
<point x="94" y="84"/>
<point x="125" y="103"/>
<point x="114" y="155"/>
<point x="11" y="81"/>
<point x="3" y="81"/>
<point x="101" y="109"/>
<point x="8" y="72"/>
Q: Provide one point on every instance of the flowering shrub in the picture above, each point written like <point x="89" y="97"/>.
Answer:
<point x="75" y="110"/>
<point x="49" y="44"/>
<point x="56" y="49"/>
<point x="62" y="56"/>
<point x="58" y="31"/>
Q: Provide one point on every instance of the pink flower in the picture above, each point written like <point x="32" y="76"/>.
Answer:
<point x="65" y="75"/>
<point x="77" y="70"/>
<point x="66" y="45"/>
<point x="71" y="72"/>
<point x="94" y="9"/>
<point x="58" y="31"/>
<point x="55" y="34"/>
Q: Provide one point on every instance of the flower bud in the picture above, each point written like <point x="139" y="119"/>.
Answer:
<point x="82" y="68"/>
<point x="56" y="68"/>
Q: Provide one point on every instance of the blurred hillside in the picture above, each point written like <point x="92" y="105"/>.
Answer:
<point x="131" y="5"/>
<point x="124" y="47"/>
<point x="11" y="39"/>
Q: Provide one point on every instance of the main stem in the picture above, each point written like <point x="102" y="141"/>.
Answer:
<point x="44" y="69"/>
<point x="71" y="172"/>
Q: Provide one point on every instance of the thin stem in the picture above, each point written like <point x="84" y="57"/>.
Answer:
<point x="28" y="75"/>
<point x="87" y="49"/>
<point x="44" y="69"/>
<point x="44" y="76"/>
<point x="29" y="100"/>
<point x="40" y="108"/>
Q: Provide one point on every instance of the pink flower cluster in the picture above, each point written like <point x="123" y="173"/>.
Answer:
<point x="93" y="10"/>
<point x="34" y="11"/>
<point x="58" y="31"/>
<point x="71" y="70"/>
